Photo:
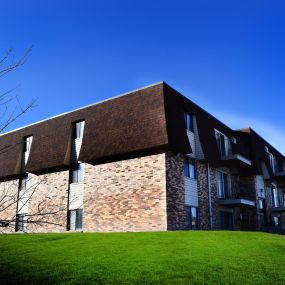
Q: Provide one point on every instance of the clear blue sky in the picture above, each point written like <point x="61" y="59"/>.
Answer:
<point x="227" y="56"/>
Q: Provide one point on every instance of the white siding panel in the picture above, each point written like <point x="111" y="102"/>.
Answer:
<point x="23" y="202"/>
<point x="191" y="138"/>
<point x="198" y="148"/>
<point x="75" y="149"/>
<point x="75" y="196"/>
<point x="191" y="192"/>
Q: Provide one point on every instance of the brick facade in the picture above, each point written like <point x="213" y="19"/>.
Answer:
<point x="50" y="198"/>
<point x="8" y="203"/>
<point x="127" y="195"/>
<point x="175" y="194"/>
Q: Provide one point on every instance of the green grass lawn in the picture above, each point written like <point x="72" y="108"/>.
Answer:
<point x="143" y="258"/>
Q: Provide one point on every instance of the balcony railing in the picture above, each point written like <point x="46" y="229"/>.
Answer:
<point x="232" y="198"/>
<point x="228" y="155"/>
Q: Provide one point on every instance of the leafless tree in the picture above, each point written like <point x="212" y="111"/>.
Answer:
<point x="12" y="198"/>
<point x="10" y="106"/>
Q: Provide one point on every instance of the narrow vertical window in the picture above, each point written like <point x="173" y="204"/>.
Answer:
<point x="223" y="142"/>
<point x="27" y="144"/>
<point x="78" y="130"/>
<point x="77" y="173"/>
<point x="75" y="220"/>
<point x="24" y="183"/>
<point x="273" y="163"/>
<point x="189" y="122"/>
<point x="191" y="217"/>
<point x="274" y="193"/>
<point x="194" y="218"/>
<point x="21" y="223"/>
<point x="224" y="185"/>
<point x="189" y="167"/>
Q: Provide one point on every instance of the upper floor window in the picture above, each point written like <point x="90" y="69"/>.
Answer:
<point x="273" y="163"/>
<point x="189" y="167"/>
<point x="77" y="173"/>
<point x="24" y="183"/>
<point x="189" y="122"/>
<point x="27" y="143"/>
<point x="274" y="193"/>
<point x="224" y="185"/>
<point x="78" y="130"/>
<point x="223" y="143"/>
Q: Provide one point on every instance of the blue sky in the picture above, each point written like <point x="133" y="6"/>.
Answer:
<point x="227" y="56"/>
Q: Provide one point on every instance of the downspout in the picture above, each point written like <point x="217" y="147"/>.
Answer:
<point x="209" y="195"/>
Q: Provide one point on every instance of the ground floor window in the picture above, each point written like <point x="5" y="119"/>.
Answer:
<point x="191" y="217"/>
<point x="75" y="220"/>
<point x="21" y="223"/>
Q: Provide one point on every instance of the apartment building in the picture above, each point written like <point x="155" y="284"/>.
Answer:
<point x="147" y="160"/>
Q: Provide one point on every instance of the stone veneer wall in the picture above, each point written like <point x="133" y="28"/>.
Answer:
<point x="127" y="195"/>
<point x="203" y="196"/>
<point x="8" y="204"/>
<point x="50" y="198"/>
<point x="175" y="192"/>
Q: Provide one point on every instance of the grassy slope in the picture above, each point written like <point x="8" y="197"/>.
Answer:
<point x="143" y="258"/>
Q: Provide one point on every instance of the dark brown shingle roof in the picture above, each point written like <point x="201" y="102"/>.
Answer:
<point x="148" y="119"/>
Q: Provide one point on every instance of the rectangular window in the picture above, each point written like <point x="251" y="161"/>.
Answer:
<point x="24" y="183"/>
<point x="21" y="223"/>
<point x="274" y="193"/>
<point x="27" y="144"/>
<point x="75" y="220"/>
<point x="273" y="163"/>
<point x="283" y="198"/>
<point x="189" y="122"/>
<point x="224" y="185"/>
<point x="224" y="145"/>
<point x="77" y="173"/>
<point x="191" y="217"/>
<point x="261" y="205"/>
<point x="78" y="130"/>
<point x="189" y="167"/>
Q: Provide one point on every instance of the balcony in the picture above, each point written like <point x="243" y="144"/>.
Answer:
<point x="231" y="157"/>
<point x="278" y="209"/>
<point x="227" y="198"/>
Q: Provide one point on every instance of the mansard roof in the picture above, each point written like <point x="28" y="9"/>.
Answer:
<point x="150" y="119"/>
